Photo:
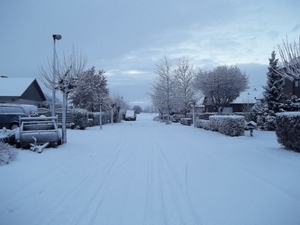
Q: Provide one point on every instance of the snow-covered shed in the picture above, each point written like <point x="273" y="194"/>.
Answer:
<point x="21" y="91"/>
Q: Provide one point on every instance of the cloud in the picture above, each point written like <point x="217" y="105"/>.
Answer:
<point x="296" y="28"/>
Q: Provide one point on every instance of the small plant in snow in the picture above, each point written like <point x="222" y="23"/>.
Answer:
<point x="7" y="153"/>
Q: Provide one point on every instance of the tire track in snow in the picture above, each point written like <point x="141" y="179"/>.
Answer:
<point x="171" y="186"/>
<point x="109" y="170"/>
<point x="81" y="186"/>
<point x="149" y="189"/>
<point x="178" y="190"/>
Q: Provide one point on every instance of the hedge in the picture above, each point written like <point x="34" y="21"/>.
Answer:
<point x="205" y="124"/>
<point x="288" y="130"/>
<point x="228" y="125"/>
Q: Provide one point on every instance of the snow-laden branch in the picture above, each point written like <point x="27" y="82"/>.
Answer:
<point x="290" y="59"/>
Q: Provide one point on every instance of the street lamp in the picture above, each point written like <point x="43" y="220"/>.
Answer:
<point x="55" y="37"/>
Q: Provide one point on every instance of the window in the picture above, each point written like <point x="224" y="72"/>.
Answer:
<point x="11" y="110"/>
<point x="296" y="83"/>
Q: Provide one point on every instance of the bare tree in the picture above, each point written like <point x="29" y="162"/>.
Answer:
<point x="66" y="75"/>
<point x="185" y="91"/>
<point x="163" y="95"/>
<point x="290" y="59"/>
<point x="119" y="106"/>
<point x="222" y="85"/>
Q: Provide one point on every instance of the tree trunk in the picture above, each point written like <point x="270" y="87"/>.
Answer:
<point x="64" y="118"/>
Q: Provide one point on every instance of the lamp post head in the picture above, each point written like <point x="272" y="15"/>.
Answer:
<point x="193" y="103"/>
<point x="56" y="36"/>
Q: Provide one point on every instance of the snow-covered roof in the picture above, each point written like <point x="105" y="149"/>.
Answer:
<point x="249" y="96"/>
<point x="14" y="86"/>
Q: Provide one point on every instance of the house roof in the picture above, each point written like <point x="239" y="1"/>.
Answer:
<point x="249" y="96"/>
<point x="15" y="87"/>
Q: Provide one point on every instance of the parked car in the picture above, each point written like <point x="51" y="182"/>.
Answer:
<point x="175" y="118"/>
<point x="10" y="113"/>
<point x="130" y="115"/>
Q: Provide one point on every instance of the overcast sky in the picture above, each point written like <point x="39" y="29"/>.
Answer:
<point x="127" y="38"/>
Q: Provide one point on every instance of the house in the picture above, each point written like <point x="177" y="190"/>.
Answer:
<point x="291" y="87"/>
<point x="241" y="104"/>
<point x="247" y="99"/>
<point x="21" y="91"/>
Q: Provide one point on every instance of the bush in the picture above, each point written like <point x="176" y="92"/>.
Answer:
<point x="7" y="153"/>
<point x="80" y="118"/>
<point x="288" y="130"/>
<point x="205" y="124"/>
<point x="228" y="125"/>
<point x="105" y="117"/>
<point x="186" y="121"/>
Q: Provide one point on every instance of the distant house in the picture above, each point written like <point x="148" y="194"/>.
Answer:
<point x="241" y="104"/>
<point x="247" y="99"/>
<point x="21" y="91"/>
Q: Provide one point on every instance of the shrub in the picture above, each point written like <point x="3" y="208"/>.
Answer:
<point x="105" y="117"/>
<point x="186" y="121"/>
<point x="7" y="153"/>
<point x="205" y="124"/>
<point x="228" y="125"/>
<point x="288" y="130"/>
<point x="215" y="123"/>
<point x="80" y="118"/>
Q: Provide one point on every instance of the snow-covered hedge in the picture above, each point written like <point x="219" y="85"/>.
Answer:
<point x="186" y="121"/>
<point x="80" y="118"/>
<point x="228" y="125"/>
<point x="7" y="153"/>
<point x="202" y="124"/>
<point x="95" y="117"/>
<point x="288" y="130"/>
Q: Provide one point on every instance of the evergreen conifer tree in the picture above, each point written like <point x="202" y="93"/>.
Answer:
<point x="274" y="89"/>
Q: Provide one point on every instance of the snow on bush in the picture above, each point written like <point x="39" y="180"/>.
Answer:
<point x="95" y="117"/>
<point x="228" y="125"/>
<point x="288" y="130"/>
<point x="186" y="121"/>
<point x="7" y="153"/>
<point x="215" y="123"/>
<point x="80" y="118"/>
<point x="203" y="124"/>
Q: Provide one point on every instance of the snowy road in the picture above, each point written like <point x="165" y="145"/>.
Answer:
<point x="146" y="172"/>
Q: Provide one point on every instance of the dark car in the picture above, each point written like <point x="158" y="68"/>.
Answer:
<point x="10" y="113"/>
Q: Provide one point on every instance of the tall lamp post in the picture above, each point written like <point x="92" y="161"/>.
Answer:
<point x="55" y="37"/>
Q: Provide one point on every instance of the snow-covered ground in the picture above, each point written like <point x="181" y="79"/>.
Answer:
<point x="146" y="172"/>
